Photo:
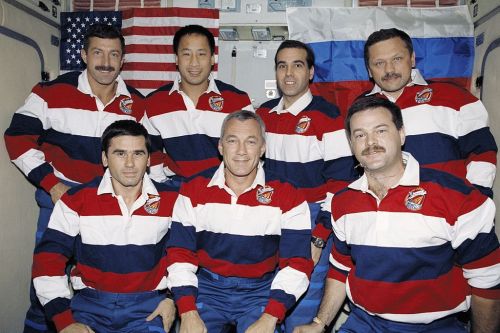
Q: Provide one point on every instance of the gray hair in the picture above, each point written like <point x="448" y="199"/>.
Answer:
<point x="243" y="115"/>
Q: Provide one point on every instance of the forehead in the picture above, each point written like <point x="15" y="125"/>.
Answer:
<point x="391" y="45"/>
<point x="128" y="142"/>
<point x="111" y="43"/>
<point x="371" y="118"/>
<point x="292" y="54"/>
<point x="194" y="41"/>
<point x="249" y="127"/>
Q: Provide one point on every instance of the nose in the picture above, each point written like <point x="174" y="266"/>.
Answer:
<point x="129" y="160"/>
<point x="289" y="70"/>
<point x="389" y="67"/>
<point x="371" y="139"/>
<point x="242" y="149"/>
<point x="194" y="60"/>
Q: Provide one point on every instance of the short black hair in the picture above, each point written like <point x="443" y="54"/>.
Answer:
<point x="372" y="102"/>
<point x="385" y="34"/>
<point x="121" y="128"/>
<point x="106" y="31"/>
<point x="197" y="30"/>
<point x="295" y="44"/>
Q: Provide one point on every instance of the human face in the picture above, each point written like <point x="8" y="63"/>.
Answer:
<point x="127" y="159"/>
<point x="104" y="60"/>
<point x="375" y="141"/>
<point x="292" y="73"/>
<point x="194" y="61"/>
<point x="241" y="148"/>
<point x="390" y="64"/>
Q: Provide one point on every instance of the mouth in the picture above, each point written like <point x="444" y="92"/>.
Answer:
<point x="373" y="151"/>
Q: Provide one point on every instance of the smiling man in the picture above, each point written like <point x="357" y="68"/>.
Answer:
<point x="231" y="230"/>
<point x="54" y="138"/>
<point x="413" y="247"/>
<point x="306" y="144"/>
<point x="184" y="117"/>
<point x="115" y="227"/>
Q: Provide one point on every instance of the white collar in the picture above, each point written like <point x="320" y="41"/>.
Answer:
<point x="106" y="186"/>
<point x="297" y="106"/>
<point x="411" y="175"/>
<point x="212" y="87"/>
<point x="84" y="85"/>
<point x="219" y="178"/>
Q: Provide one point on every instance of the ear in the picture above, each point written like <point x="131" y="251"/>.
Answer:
<point x="311" y="73"/>
<point x="104" y="159"/>
<point x="220" y="148"/>
<point x="413" y="60"/>
<point x="83" y="54"/>
<point x="212" y="60"/>
<point x="262" y="149"/>
<point x="369" y="72"/>
<point x="176" y="60"/>
<point x="402" y="135"/>
<point x="122" y="61"/>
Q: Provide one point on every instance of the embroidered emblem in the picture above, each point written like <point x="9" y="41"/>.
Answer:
<point x="264" y="194"/>
<point x="303" y="125"/>
<point x="126" y="105"/>
<point x="423" y="96"/>
<point x="415" y="198"/>
<point x="152" y="205"/>
<point x="216" y="103"/>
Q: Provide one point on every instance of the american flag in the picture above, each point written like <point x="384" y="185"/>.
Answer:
<point x="73" y="28"/>
<point x="149" y="59"/>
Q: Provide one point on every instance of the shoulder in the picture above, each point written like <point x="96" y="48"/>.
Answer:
<point x="165" y="88"/>
<point x="227" y="88"/>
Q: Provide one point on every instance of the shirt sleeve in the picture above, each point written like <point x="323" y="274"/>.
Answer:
<point x="22" y="140"/>
<point x="476" y="244"/>
<point x="478" y="145"/>
<point x="292" y="279"/>
<point x="181" y="254"/>
<point x="49" y="264"/>
<point x="340" y="256"/>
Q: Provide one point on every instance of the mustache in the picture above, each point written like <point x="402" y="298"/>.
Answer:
<point x="391" y="76"/>
<point x="105" y="68"/>
<point x="373" y="149"/>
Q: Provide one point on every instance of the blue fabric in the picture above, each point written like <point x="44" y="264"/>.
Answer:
<point x="117" y="313"/>
<point x="35" y="321"/>
<point x="361" y="322"/>
<point x="307" y="307"/>
<point x="224" y="302"/>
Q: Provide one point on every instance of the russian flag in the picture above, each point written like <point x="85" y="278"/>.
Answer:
<point x="443" y="41"/>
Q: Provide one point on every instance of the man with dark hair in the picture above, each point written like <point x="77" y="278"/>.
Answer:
<point x="54" y="137"/>
<point x="232" y="228"/>
<point x="405" y="237"/>
<point x="446" y="127"/>
<point x="184" y="117"/>
<point x="306" y="143"/>
<point x="116" y="228"/>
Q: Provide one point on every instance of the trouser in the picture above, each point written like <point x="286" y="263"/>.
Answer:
<point x="307" y="306"/>
<point x="224" y="302"/>
<point x="360" y="321"/>
<point x="36" y="321"/>
<point x="106" y="312"/>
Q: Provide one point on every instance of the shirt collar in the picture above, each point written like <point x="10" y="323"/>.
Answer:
<point x="298" y="106"/>
<point x="219" y="179"/>
<point x="212" y="87"/>
<point x="84" y="85"/>
<point x="106" y="186"/>
<point x="416" y="79"/>
<point x="411" y="175"/>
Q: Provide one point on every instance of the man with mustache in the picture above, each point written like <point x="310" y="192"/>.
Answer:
<point x="306" y="143"/>
<point x="184" y="117"/>
<point x="54" y="138"/>
<point x="446" y="126"/>
<point x="413" y="246"/>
